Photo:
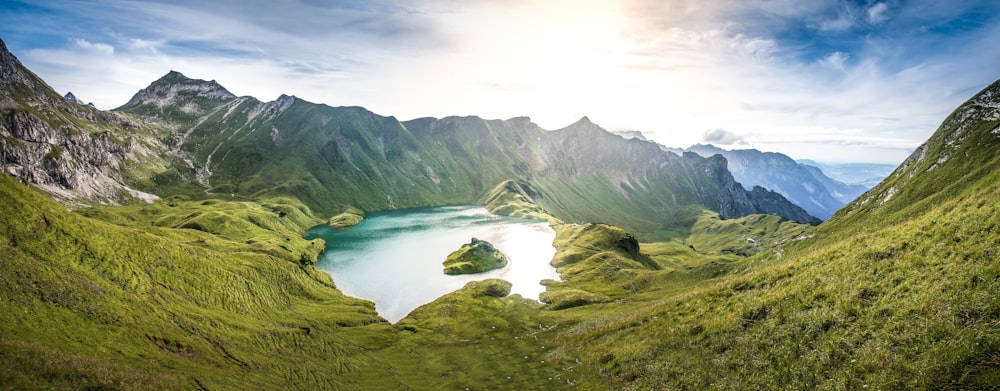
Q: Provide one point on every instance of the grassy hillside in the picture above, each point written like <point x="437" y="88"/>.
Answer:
<point x="661" y="287"/>
<point x="88" y="304"/>
<point x="201" y="294"/>
<point x="905" y="305"/>
<point x="896" y="291"/>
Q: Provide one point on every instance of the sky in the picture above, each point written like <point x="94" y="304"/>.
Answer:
<point x="831" y="81"/>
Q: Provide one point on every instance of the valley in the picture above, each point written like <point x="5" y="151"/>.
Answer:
<point x="164" y="245"/>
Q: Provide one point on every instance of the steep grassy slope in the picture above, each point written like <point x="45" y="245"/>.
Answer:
<point x="896" y="291"/>
<point x="89" y="304"/>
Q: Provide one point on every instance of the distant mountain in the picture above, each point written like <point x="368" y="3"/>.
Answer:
<point x="72" y="98"/>
<point x="194" y="138"/>
<point x="631" y="134"/>
<point x="804" y="185"/>
<point x="865" y="174"/>
<point x="333" y="158"/>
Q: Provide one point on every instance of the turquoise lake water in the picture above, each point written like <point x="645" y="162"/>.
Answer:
<point x="394" y="258"/>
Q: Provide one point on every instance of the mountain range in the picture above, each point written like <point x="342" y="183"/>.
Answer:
<point x="203" y="139"/>
<point x="160" y="246"/>
<point x="865" y="174"/>
<point x="805" y="185"/>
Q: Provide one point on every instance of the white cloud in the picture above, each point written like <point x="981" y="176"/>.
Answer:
<point x="841" y="23"/>
<point x="668" y="68"/>
<point x="836" y="60"/>
<point x="97" y="48"/>
<point x="722" y="137"/>
<point x="878" y="13"/>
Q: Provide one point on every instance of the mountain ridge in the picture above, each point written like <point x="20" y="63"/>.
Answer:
<point x="371" y="157"/>
<point x="218" y="289"/>
<point x="809" y="188"/>
<point x="193" y="138"/>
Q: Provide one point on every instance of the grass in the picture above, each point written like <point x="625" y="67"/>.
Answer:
<point x="475" y="257"/>
<point x="743" y="236"/>
<point x="347" y="219"/>
<point x="470" y="339"/>
<point x="516" y="199"/>
<point x="114" y="306"/>
<point x="896" y="307"/>
<point x="896" y="291"/>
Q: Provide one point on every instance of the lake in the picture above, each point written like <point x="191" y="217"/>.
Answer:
<point x="394" y="258"/>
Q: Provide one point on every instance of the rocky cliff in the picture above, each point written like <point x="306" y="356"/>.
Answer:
<point x="74" y="152"/>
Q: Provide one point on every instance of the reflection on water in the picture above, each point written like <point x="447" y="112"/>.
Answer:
<point x="394" y="258"/>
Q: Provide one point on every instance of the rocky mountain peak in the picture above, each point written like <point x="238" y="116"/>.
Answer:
<point x="72" y="98"/>
<point x="11" y="70"/>
<point x="285" y="100"/>
<point x="176" y="89"/>
<point x="584" y="126"/>
<point x="583" y="121"/>
<point x="16" y="79"/>
<point x="73" y="152"/>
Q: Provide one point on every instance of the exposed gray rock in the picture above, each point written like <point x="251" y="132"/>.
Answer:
<point x="74" y="152"/>
<point x="72" y="98"/>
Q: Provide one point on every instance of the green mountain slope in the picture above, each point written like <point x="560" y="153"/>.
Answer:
<point x="898" y="290"/>
<point x="91" y="304"/>
<point x="334" y="158"/>
<point x="217" y="289"/>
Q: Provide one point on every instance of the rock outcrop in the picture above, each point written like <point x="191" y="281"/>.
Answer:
<point x="74" y="152"/>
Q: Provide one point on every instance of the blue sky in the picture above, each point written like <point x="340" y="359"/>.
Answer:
<point x="861" y="81"/>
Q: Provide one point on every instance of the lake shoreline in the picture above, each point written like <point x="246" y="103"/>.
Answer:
<point x="393" y="258"/>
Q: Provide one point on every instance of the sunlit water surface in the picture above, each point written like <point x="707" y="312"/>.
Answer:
<point x="394" y="258"/>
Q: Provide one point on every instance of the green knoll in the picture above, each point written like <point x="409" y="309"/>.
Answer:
<point x="476" y="256"/>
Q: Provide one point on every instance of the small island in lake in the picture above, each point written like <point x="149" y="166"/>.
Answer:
<point x="475" y="257"/>
<point x="350" y="218"/>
